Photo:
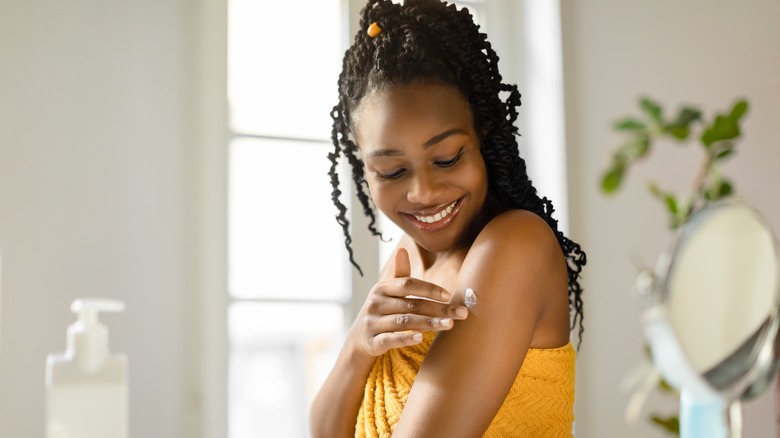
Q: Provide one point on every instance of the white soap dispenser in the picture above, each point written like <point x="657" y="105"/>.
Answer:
<point x="86" y="387"/>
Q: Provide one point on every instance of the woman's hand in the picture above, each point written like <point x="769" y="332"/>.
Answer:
<point x="397" y="310"/>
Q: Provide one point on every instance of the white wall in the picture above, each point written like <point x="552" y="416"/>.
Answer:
<point x="700" y="52"/>
<point x="100" y="184"/>
<point x="98" y="197"/>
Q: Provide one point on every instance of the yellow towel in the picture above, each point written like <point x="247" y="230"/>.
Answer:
<point x="539" y="404"/>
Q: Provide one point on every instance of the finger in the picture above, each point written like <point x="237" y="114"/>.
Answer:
<point x="421" y="307"/>
<point x="408" y="286"/>
<point x="401" y="265"/>
<point x="409" y="321"/>
<point x="402" y="271"/>
<point x="387" y="341"/>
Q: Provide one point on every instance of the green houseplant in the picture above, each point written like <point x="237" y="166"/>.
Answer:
<point x="716" y="136"/>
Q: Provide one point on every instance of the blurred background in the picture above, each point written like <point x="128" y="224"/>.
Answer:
<point x="172" y="154"/>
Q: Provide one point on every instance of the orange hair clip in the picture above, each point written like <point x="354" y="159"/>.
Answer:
<point x="374" y="30"/>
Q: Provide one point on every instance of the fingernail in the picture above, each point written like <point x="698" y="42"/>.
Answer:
<point x="446" y="322"/>
<point x="417" y="337"/>
<point x="462" y="312"/>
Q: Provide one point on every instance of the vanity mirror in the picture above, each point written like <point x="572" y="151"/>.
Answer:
<point x="710" y="314"/>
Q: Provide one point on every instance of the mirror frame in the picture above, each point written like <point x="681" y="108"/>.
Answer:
<point x="669" y="355"/>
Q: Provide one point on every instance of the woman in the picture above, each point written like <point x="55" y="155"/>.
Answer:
<point x="466" y="333"/>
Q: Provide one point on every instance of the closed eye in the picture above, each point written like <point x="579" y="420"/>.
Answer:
<point x="451" y="162"/>
<point x="387" y="176"/>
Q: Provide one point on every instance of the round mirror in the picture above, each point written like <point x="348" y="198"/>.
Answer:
<point x="712" y="314"/>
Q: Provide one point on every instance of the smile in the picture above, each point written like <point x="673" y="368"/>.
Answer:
<point x="438" y="216"/>
<point x="434" y="220"/>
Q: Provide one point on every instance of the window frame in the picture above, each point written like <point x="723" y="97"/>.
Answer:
<point x="230" y="299"/>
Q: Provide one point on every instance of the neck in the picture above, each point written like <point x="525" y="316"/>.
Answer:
<point x="490" y="210"/>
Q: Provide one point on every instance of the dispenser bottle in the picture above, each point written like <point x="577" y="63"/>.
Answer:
<point x="86" y="387"/>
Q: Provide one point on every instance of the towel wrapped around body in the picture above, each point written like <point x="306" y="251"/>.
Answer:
<point x="539" y="404"/>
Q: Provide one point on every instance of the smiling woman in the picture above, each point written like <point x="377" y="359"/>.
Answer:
<point x="423" y="161"/>
<point x="427" y="127"/>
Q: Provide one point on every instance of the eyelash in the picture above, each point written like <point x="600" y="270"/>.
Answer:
<point x="395" y="175"/>
<point x="444" y="164"/>
<point x="451" y="162"/>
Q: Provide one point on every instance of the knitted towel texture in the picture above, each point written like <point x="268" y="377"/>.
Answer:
<point x="539" y="404"/>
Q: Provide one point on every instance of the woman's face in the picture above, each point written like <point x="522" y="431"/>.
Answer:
<point x="424" y="166"/>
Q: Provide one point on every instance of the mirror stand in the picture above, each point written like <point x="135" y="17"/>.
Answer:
<point x="713" y="418"/>
<point x="711" y="314"/>
<point x="702" y="417"/>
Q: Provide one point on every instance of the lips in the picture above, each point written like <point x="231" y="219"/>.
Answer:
<point x="435" y="219"/>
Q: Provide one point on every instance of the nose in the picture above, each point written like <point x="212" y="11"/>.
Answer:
<point x="425" y="188"/>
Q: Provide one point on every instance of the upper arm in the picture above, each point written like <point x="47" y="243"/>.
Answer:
<point x="515" y="267"/>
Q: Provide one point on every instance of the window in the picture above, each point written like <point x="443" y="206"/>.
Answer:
<point x="287" y="286"/>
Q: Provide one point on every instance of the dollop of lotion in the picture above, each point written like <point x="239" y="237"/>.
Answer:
<point x="470" y="299"/>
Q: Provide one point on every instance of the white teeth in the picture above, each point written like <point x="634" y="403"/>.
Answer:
<point x="438" y="216"/>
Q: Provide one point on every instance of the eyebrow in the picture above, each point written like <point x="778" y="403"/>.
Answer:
<point x="428" y="144"/>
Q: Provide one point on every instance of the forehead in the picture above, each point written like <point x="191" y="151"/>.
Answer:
<point x="409" y="114"/>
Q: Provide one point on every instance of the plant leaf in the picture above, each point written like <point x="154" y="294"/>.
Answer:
<point x="612" y="178"/>
<point x="671" y="204"/>
<point x="687" y="115"/>
<point x="739" y="109"/>
<point x="652" y="109"/>
<point x="678" y="132"/>
<point x="636" y="148"/>
<point x="719" y="188"/>
<point x="724" y="153"/>
<point x="723" y="149"/>
<point x="655" y="190"/>
<point x="680" y="127"/>
<point x="670" y="201"/>
<point x="725" y="127"/>
<point x="629" y="124"/>
<point x="670" y="424"/>
<point x="725" y="188"/>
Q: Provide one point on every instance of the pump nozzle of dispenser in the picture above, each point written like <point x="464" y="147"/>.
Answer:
<point x="87" y="337"/>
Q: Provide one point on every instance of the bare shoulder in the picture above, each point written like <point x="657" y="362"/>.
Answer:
<point x="517" y="268"/>
<point x="516" y="242"/>
<point x="518" y="226"/>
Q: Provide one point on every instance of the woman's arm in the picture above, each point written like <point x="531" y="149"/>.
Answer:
<point x="519" y="274"/>
<point x="336" y="405"/>
<point x="387" y="320"/>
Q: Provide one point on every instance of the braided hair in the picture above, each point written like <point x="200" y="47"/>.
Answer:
<point x="433" y="42"/>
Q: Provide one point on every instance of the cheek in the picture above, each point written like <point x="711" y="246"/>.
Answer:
<point x="475" y="180"/>
<point x="374" y="186"/>
<point x="381" y="195"/>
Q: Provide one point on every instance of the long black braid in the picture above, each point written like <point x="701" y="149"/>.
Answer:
<point x="433" y="42"/>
